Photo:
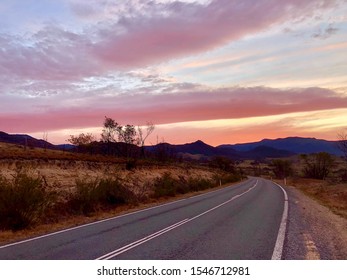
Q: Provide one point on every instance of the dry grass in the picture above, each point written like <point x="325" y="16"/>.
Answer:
<point x="9" y="236"/>
<point x="332" y="195"/>
<point x="60" y="170"/>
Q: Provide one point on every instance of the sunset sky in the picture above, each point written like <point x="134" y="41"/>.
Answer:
<point x="222" y="71"/>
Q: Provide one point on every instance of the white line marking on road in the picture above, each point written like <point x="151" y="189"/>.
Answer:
<point x="167" y="229"/>
<point x="277" y="253"/>
<point x="141" y="241"/>
<point x="225" y="202"/>
<point x="104" y="220"/>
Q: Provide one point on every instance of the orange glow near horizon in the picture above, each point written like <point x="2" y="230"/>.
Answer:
<point x="318" y="124"/>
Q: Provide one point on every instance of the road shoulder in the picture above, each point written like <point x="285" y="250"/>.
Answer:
<point x="313" y="230"/>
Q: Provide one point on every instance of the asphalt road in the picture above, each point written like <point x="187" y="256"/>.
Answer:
<point x="237" y="222"/>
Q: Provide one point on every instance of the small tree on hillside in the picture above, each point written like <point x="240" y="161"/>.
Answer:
<point x="222" y="163"/>
<point x="45" y="139"/>
<point x="143" y="135"/>
<point x="342" y="143"/>
<point x="282" y="168"/>
<point x="81" y="140"/>
<point x="110" y="130"/>
<point x="127" y="134"/>
<point x="317" y="166"/>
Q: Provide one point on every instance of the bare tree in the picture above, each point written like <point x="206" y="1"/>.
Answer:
<point x="143" y="135"/>
<point x="342" y="143"/>
<point x="318" y="166"/>
<point x="45" y="139"/>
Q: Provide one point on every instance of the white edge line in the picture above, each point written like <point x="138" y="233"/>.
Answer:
<point x="104" y="220"/>
<point x="277" y="253"/>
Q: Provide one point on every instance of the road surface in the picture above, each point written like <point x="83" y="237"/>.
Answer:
<point x="238" y="222"/>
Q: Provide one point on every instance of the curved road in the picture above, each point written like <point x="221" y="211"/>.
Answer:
<point x="237" y="222"/>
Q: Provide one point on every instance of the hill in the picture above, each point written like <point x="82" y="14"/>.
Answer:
<point x="297" y="145"/>
<point x="206" y="151"/>
<point x="25" y="140"/>
<point x="262" y="152"/>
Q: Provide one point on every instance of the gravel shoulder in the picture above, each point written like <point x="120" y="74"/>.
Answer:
<point x="313" y="230"/>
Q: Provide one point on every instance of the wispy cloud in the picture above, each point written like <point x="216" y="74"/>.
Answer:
<point x="148" y="37"/>
<point x="324" y="33"/>
<point x="188" y="28"/>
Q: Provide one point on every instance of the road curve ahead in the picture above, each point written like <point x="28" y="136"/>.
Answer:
<point x="237" y="222"/>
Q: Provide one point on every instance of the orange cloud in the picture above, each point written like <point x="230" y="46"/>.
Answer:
<point x="229" y="103"/>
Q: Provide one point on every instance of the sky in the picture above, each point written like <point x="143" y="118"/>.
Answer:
<point x="222" y="71"/>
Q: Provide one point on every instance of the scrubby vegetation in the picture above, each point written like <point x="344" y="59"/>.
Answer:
<point x="320" y="176"/>
<point x="28" y="198"/>
<point x="91" y="195"/>
<point x="23" y="201"/>
<point x="282" y="168"/>
<point x="167" y="185"/>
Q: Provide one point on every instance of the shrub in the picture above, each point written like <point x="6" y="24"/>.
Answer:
<point x="198" y="184"/>
<point x="222" y="163"/>
<point x="166" y="185"/>
<point x="130" y="164"/>
<point x="111" y="191"/>
<point x="23" y="201"/>
<point x="93" y="194"/>
<point x="231" y="178"/>
<point x="318" y="166"/>
<point x="282" y="168"/>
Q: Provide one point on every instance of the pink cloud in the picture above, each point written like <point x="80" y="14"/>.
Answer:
<point x="157" y="33"/>
<point x="193" y="28"/>
<point x="232" y="103"/>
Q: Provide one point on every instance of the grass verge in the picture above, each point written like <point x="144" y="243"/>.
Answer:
<point x="331" y="195"/>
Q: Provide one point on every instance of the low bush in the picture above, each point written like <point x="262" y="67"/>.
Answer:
<point x="23" y="201"/>
<point x="198" y="184"/>
<point x="231" y="178"/>
<point x="92" y="195"/>
<point x="167" y="185"/>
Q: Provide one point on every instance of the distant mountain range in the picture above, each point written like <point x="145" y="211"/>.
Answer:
<point x="23" y="139"/>
<point x="296" y="145"/>
<point x="27" y="140"/>
<point x="266" y="148"/>
<point x="278" y="148"/>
